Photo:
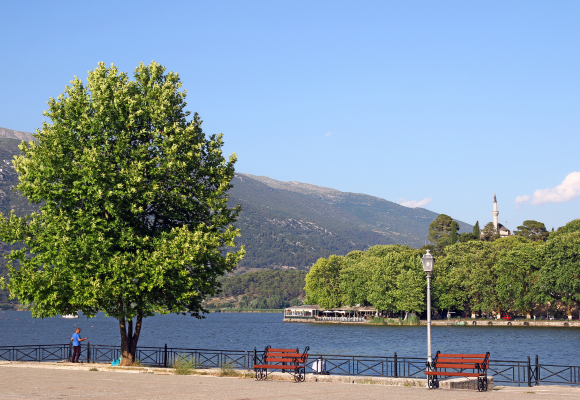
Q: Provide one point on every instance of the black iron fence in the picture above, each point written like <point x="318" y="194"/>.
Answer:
<point x="519" y="373"/>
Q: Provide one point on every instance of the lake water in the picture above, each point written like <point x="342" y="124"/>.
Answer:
<point x="244" y="331"/>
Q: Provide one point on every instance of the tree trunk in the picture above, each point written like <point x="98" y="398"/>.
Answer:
<point x="528" y="315"/>
<point x="129" y="338"/>
<point x="569" y="309"/>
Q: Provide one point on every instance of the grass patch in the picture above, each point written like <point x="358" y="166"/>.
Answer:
<point x="185" y="365"/>
<point x="412" y="320"/>
<point x="228" y="370"/>
<point x="378" y="321"/>
<point x="138" y="363"/>
<point x="93" y="369"/>
<point x="367" y="381"/>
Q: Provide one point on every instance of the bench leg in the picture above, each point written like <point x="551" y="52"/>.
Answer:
<point x="482" y="383"/>
<point x="432" y="382"/>
<point x="260" y="375"/>
<point x="300" y="375"/>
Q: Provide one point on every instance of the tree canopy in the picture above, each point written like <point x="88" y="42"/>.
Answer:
<point x="511" y="274"/>
<point x="133" y="215"/>
<point x="440" y="229"/>
<point x="533" y="230"/>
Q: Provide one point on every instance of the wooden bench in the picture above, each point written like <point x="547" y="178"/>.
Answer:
<point x="458" y="362"/>
<point x="286" y="360"/>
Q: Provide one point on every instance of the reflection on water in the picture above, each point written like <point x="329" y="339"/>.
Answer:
<point x="246" y="331"/>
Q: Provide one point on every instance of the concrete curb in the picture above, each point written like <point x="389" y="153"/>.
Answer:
<point x="459" y="383"/>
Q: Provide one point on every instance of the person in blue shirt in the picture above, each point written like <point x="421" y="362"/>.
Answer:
<point x="76" y="342"/>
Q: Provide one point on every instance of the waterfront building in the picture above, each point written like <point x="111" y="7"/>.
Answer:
<point x="339" y="314"/>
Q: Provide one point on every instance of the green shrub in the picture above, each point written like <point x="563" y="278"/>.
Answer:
<point x="185" y="365"/>
<point x="378" y="320"/>
<point x="227" y="369"/>
<point x="412" y="320"/>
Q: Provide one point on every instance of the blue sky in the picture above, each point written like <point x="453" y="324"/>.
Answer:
<point x="446" y="101"/>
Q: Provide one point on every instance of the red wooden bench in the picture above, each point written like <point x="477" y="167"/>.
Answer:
<point x="458" y="362"/>
<point x="286" y="360"/>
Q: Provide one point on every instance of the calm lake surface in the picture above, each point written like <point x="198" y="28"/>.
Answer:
<point x="244" y="331"/>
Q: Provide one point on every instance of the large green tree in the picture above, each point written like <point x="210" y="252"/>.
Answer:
<point x="355" y="277"/>
<point x="133" y="215"/>
<point x="453" y="234"/>
<point x="518" y="279"/>
<point x="489" y="233"/>
<point x="323" y="282"/>
<point x="560" y="272"/>
<point x="440" y="229"/>
<point x="533" y="230"/>
<point x="476" y="230"/>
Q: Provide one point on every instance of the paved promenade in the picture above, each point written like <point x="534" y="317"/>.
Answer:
<point x="21" y="382"/>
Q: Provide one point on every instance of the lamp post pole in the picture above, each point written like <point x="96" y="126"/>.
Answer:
<point x="429" y="360"/>
<point x="428" y="261"/>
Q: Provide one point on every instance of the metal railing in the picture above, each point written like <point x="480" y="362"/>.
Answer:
<point x="519" y="373"/>
<point x="341" y="319"/>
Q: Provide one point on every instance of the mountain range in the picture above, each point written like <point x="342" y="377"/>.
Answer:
<point x="292" y="224"/>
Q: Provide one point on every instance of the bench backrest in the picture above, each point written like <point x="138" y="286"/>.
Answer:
<point x="285" y="355"/>
<point x="463" y="361"/>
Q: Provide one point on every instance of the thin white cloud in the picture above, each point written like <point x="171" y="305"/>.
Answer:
<point x="328" y="134"/>
<point x="415" y="203"/>
<point x="522" y="199"/>
<point x="568" y="190"/>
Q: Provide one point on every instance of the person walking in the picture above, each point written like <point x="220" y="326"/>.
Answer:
<point x="76" y="342"/>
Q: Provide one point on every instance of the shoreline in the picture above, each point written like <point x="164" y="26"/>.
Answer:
<point x="466" y="322"/>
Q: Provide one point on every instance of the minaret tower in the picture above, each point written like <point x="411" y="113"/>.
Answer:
<point x="495" y="213"/>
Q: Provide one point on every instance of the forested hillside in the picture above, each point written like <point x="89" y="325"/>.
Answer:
<point x="269" y="289"/>
<point x="294" y="224"/>
<point x="288" y="284"/>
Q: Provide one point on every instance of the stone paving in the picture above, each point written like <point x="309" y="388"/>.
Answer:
<point x="67" y="381"/>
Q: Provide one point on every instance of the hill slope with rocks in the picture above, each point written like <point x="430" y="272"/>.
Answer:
<point x="292" y="224"/>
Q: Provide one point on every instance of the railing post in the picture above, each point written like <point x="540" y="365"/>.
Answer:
<point x="537" y="371"/>
<point x="165" y="357"/>
<point x="88" y="352"/>
<point x="69" y="351"/>
<point x="529" y="373"/>
<point x="395" y="366"/>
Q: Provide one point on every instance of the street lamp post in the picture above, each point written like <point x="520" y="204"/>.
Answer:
<point x="428" y="261"/>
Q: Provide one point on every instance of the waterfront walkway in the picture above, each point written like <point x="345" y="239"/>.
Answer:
<point x="34" y="382"/>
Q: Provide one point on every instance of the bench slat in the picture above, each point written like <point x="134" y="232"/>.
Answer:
<point x="283" y="350"/>
<point x="460" y="366"/>
<point x="441" y="355"/>
<point x="287" y="355"/>
<point x="453" y="373"/>
<point x="271" y="366"/>
<point x="460" y="360"/>
<point x="280" y="359"/>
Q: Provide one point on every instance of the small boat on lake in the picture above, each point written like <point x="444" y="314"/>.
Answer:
<point x="73" y="315"/>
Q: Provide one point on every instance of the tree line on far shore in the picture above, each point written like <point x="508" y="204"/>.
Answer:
<point x="514" y="274"/>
